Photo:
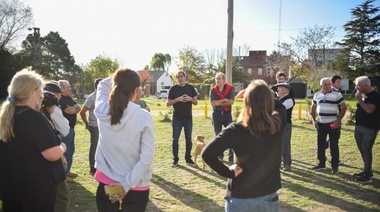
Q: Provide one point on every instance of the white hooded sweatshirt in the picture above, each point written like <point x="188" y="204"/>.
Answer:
<point x="125" y="150"/>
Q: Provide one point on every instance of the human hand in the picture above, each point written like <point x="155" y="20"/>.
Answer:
<point x="315" y="123"/>
<point x="358" y="95"/>
<point x="237" y="169"/>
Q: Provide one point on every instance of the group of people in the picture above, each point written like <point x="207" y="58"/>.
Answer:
<point x="37" y="139"/>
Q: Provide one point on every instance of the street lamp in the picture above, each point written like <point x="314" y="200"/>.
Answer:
<point x="36" y="64"/>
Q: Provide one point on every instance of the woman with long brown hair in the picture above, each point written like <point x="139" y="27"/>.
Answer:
<point x="254" y="178"/>
<point x="124" y="156"/>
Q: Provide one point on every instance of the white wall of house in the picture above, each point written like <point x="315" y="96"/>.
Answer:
<point x="164" y="80"/>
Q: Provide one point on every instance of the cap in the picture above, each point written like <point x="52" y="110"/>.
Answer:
<point x="49" y="99"/>
<point x="52" y="88"/>
<point x="285" y="85"/>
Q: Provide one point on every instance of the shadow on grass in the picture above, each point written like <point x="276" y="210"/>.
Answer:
<point x="81" y="198"/>
<point x="324" y="185"/>
<point x="191" y="199"/>
<point x="304" y="128"/>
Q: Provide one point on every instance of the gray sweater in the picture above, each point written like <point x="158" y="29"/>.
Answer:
<point x="125" y="150"/>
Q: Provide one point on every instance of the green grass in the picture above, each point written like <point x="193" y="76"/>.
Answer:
<point x="189" y="189"/>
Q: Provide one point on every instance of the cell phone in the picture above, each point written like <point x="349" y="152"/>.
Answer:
<point x="332" y="126"/>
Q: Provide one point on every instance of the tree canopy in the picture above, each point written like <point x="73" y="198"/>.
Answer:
<point x="361" y="44"/>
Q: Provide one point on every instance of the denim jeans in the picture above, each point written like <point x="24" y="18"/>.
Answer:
<point x="69" y="141"/>
<point x="365" y="138"/>
<point x="286" y="146"/>
<point x="177" y="124"/>
<point x="323" y="131"/>
<point x="94" y="137"/>
<point x="218" y="121"/>
<point x="265" y="203"/>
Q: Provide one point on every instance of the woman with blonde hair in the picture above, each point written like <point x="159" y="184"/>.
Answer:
<point x="30" y="150"/>
<point x="254" y="178"/>
<point x="124" y="156"/>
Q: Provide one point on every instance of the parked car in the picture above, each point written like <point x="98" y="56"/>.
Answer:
<point x="163" y="93"/>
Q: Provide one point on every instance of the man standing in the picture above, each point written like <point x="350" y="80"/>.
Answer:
<point x="288" y="102"/>
<point x="182" y="96"/>
<point x="280" y="78"/>
<point x="221" y="98"/>
<point x="325" y="103"/>
<point x="367" y="124"/>
<point x="70" y="109"/>
<point x="91" y="124"/>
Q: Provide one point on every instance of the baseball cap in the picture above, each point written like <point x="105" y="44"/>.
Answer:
<point x="49" y="99"/>
<point x="52" y="88"/>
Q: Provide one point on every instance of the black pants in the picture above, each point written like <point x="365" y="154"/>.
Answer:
<point x="134" y="201"/>
<point x="39" y="203"/>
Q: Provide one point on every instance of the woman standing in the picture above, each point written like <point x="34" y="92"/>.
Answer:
<point x="256" y="139"/>
<point x="126" y="145"/>
<point x="30" y="151"/>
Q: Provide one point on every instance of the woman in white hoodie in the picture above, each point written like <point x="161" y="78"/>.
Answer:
<point x="124" y="156"/>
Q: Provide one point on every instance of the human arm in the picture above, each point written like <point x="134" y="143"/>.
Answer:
<point x="312" y="113"/>
<point x="102" y="94"/>
<point x="83" y="115"/>
<point x="54" y="153"/>
<point x="367" y="107"/>
<point x="212" y="150"/>
<point x="343" y="109"/>
<point x="60" y="122"/>
<point x="143" y="166"/>
<point x="72" y="109"/>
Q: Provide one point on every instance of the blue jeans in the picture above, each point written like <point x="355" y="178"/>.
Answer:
<point x="365" y="138"/>
<point x="265" y="203"/>
<point x="323" y="131"/>
<point x="69" y="141"/>
<point x="177" y="124"/>
<point x="94" y="137"/>
<point x="218" y="121"/>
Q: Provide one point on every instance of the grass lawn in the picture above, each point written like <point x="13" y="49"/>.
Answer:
<point x="189" y="189"/>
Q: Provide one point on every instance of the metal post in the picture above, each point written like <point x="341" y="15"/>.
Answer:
<point x="230" y="37"/>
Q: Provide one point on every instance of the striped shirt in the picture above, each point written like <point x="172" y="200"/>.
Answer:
<point x="328" y="105"/>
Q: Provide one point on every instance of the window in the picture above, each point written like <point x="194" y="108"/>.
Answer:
<point x="260" y="71"/>
<point x="249" y="71"/>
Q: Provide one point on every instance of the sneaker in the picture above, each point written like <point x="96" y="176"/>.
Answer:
<point x="174" y="164"/>
<point x="190" y="162"/>
<point x="358" y="175"/>
<point x="319" y="167"/>
<point x="335" y="171"/>
<point x="365" y="178"/>
<point x="71" y="175"/>
<point x="287" y="168"/>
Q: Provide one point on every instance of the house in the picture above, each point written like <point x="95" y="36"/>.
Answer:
<point x="157" y="81"/>
<point x="255" y="66"/>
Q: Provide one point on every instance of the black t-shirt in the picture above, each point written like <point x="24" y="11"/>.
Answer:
<point x="371" y="121"/>
<point x="24" y="172"/>
<point x="182" y="109"/>
<point x="65" y="102"/>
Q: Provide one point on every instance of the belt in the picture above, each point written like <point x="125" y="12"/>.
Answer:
<point x="223" y="112"/>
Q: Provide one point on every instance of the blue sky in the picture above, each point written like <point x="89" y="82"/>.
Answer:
<point x="133" y="30"/>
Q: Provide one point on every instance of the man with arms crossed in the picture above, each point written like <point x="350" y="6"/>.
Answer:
<point x="221" y="98"/>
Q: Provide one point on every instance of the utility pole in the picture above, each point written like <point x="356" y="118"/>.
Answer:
<point x="36" y="64"/>
<point x="230" y="38"/>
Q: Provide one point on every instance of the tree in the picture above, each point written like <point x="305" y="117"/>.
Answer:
<point x="238" y="73"/>
<point x="361" y="43"/>
<point x="99" y="67"/>
<point x="14" y="18"/>
<point x="160" y="61"/>
<point x="194" y="61"/>
<point x="57" y="61"/>
<point x="304" y="53"/>
<point x="277" y="62"/>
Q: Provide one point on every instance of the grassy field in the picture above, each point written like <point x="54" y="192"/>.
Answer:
<point x="186" y="188"/>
